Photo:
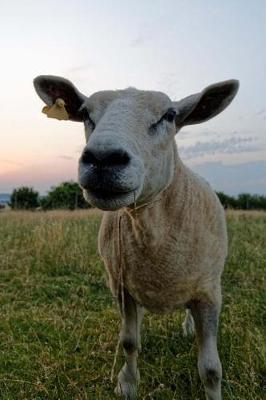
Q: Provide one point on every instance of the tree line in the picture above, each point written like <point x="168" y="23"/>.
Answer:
<point x="244" y="201"/>
<point x="68" y="195"/>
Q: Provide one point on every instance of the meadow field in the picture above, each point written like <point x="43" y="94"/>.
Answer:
<point x="59" y="324"/>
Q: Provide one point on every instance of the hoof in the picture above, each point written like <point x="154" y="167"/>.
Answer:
<point x="126" y="390"/>
<point x="127" y="386"/>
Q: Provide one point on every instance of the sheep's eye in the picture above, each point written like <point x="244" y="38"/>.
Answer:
<point x="170" y="115"/>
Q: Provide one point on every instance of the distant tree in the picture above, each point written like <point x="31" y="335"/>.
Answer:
<point x="260" y="201"/>
<point x="24" y="198"/>
<point x="245" y="201"/>
<point x="226" y="200"/>
<point x="67" y="195"/>
<point x="248" y="201"/>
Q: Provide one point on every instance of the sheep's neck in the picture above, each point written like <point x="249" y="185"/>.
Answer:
<point x="151" y="221"/>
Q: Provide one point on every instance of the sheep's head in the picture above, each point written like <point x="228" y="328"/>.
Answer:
<point x="129" y="156"/>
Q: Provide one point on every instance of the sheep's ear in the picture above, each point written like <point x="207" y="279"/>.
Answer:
<point x="202" y="106"/>
<point x="51" y="88"/>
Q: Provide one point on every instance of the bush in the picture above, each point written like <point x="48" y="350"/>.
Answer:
<point x="227" y="201"/>
<point x="67" y="195"/>
<point x="24" y="198"/>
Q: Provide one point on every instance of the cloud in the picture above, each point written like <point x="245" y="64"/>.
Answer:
<point x="217" y="134"/>
<point x="79" y="68"/>
<point x="138" y="41"/>
<point x="233" y="179"/>
<point x="147" y="31"/>
<point x="144" y="34"/>
<point x="228" y="146"/>
<point x="170" y="84"/>
<point x="40" y="176"/>
<point x="4" y="160"/>
<point x="260" y="112"/>
<point x="68" y="158"/>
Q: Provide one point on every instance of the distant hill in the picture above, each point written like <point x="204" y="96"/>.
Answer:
<point x="4" y="198"/>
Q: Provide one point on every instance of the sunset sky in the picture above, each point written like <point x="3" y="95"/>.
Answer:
<point x="175" y="46"/>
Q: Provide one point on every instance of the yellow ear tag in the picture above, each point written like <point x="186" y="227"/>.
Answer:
<point x="57" y="110"/>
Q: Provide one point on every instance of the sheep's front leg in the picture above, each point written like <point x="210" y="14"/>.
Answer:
<point x="128" y="377"/>
<point x="209" y="365"/>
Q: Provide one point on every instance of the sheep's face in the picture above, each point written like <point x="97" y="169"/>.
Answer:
<point x="129" y="155"/>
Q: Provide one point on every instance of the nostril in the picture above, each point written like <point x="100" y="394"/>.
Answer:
<point x="114" y="158"/>
<point x="88" y="157"/>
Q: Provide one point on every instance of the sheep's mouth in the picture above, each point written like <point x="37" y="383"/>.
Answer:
<point x="110" y="199"/>
<point x="104" y="194"/>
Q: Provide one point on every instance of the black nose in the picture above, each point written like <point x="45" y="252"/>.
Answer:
<point x="108" y="158"/>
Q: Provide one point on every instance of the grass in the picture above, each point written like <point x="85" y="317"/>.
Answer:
<point x="59" y="323"/>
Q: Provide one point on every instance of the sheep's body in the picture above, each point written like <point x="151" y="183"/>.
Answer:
<point x="169" y="250"/>
<point x="173" y="250"/>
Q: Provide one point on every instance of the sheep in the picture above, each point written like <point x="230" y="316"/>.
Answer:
<point x="163" y="235"/>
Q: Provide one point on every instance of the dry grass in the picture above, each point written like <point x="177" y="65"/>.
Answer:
<point x="59" y="324"/>
<point x="244" y="213"/>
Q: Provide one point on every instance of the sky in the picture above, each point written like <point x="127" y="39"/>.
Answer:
<point x="178" y="47"/>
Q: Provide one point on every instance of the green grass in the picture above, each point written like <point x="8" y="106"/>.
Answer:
<point x="59" y="324"/>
